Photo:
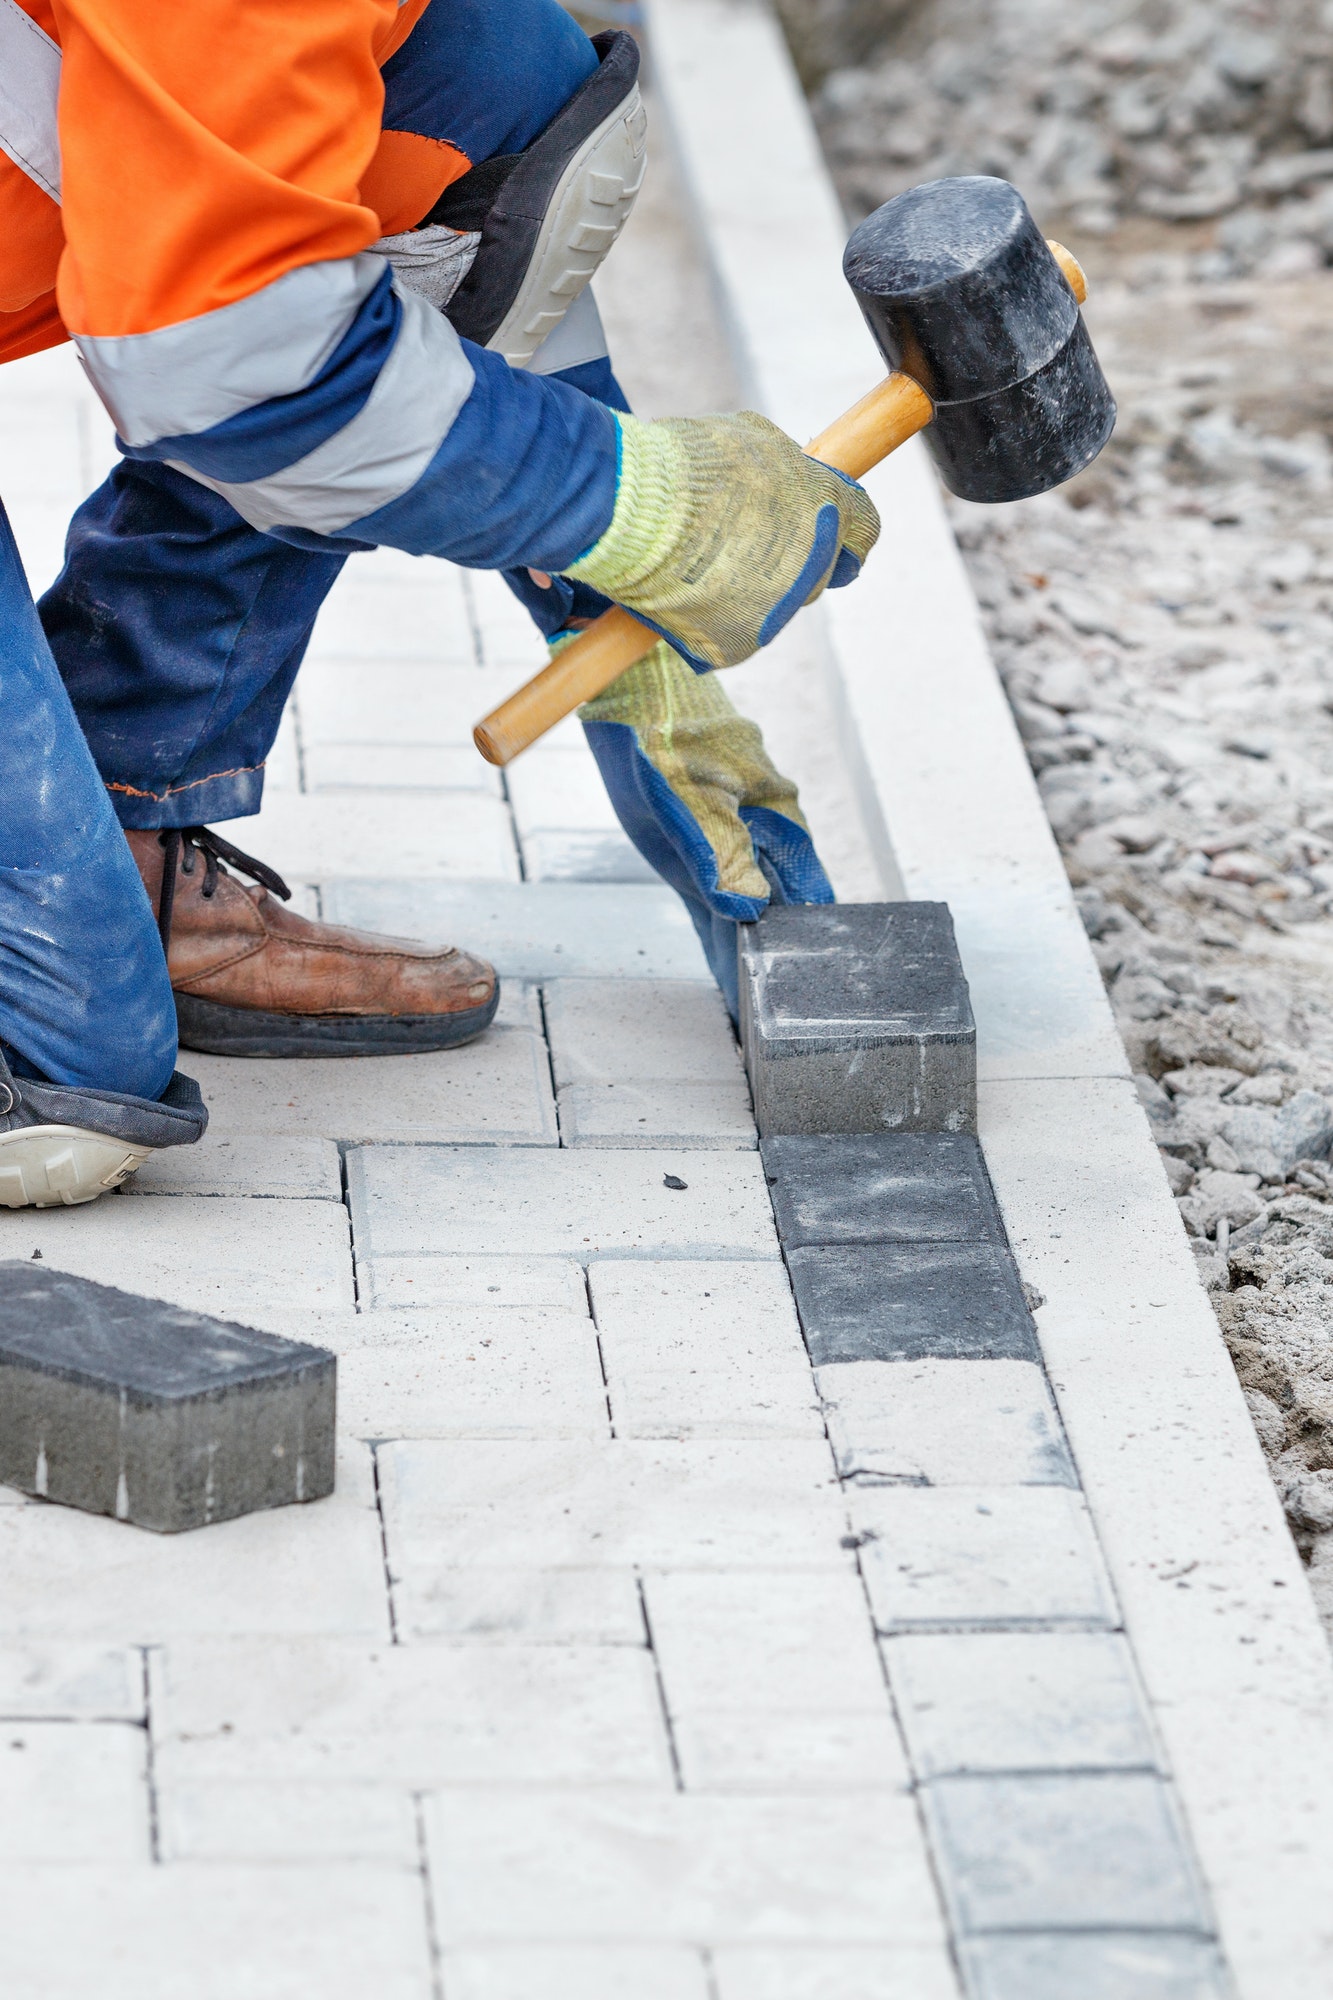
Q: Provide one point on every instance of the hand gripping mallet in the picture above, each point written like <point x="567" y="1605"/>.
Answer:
<point x="977" y="317"/>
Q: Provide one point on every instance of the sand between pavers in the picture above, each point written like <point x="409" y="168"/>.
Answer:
<point x="470" y="1201"/>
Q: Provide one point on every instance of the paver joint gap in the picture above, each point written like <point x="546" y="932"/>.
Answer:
<point x="667" y="1723"/>
<point x="428" y="1898"/>
<point x="374" y="1444"/>
<point x="150" y="1756"/>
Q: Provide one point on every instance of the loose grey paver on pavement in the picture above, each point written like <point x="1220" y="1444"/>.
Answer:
<point x="1061" y="1852"/>
<point x="910" y="1302"/>
<point x="161" y="1417"/>
<point x="856" y="1018"/>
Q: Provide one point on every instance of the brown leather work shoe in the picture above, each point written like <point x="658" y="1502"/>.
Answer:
<point x="253" y="979"/>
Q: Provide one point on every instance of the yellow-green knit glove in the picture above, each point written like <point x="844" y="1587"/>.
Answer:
<point x="697" y="793"/>
<point x="722" y="530"/>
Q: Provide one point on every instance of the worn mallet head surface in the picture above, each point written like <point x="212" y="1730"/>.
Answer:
<point x="962" y="293"/>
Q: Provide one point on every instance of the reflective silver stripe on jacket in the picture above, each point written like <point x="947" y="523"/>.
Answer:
<point x="29" y="88"/>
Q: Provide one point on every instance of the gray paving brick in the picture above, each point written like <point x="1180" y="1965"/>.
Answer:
<point x="907" y="1302"/>
<point x="945" y="1423"/>
<point x="970" y="1556"/>
<point x="1114" y="1966"/>
<point x="127" y="1406"/>
<point x="1019" y="1701"/>
<point x="555" y="856"/>
<point x="243" y="1164"/>
<point x="883" y="1187"/>
<point x="1062" y="1853"/>
<point x="535" y="930"/>
<point x="856" y="1018"/>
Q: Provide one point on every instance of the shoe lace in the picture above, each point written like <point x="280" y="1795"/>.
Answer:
<point x="182" y="846"/>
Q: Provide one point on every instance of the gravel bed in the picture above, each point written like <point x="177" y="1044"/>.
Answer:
<point x="1164" y="625"/>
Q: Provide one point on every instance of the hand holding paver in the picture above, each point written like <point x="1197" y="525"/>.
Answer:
<point x="978" y="318"/>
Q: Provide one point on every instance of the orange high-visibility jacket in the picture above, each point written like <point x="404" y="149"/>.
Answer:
<point x="183" y="191"/>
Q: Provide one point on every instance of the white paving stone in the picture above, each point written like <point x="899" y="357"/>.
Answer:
<point x="480" y="1371"/>
<point x="945" y="1423"/>
<point x="411" y="767"/>
<point x="451" y="837"/>
<point x="436" y="1597"/>
<point x="215" y="1933"/>
<point x="65" y="1680"/>
<point x="535" y="930"/>
<point x="595" y="856"/>
<point x="419" y="1717"/>
<point x="701" y="1504"/>
<point x="300" y="1169"/>
<point x="467" y="1201"/>
<point x="1019" y="1701"/>
<point x="373" y="615"/>
<point x="554" y="1283"/>
<point x="491" y="1092"/>
<point x="281" y="1821"/>
<point x="980" y="1555"/>
<point x="391" y="704"/>
<point x="73" y="1792"/>
<point x="213" y="1253"/>
<point x="571" y="1972"/>
<point x="675" y="1867"/>
<point x="317" y="1568"/>
<point x="777" y="1642"/>
<point x="703" y="1116"/>
<point x="672" y="1030"/>
<point x="778" y="1754"/>
<point x="559" y="790"/>
<point x="702" y="1350"/>
<point x="835" y="1972"/>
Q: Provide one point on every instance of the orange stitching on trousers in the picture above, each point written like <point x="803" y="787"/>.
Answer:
<point x="241" y="771"/>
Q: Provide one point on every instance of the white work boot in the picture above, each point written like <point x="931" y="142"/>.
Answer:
<point x="61" y="1145"/>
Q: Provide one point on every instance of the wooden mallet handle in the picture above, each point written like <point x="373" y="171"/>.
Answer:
<point x="895" y="410"/>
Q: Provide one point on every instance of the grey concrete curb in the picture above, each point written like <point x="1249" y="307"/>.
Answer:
<point x="1232" y="1656"/>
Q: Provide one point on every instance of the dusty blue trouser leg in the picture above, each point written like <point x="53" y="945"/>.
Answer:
<point x="84" y="995"/>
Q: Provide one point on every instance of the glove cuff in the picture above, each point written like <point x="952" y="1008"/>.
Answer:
<point x="652" y="477"/>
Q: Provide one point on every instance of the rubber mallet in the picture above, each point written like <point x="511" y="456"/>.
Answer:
<point x="978" y="318"/>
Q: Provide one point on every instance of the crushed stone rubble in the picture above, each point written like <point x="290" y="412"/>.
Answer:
<point x="1164" y="625"/>
<point x="1186" y="111"/>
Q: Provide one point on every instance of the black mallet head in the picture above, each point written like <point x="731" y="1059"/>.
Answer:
<point x="962" y="293"/>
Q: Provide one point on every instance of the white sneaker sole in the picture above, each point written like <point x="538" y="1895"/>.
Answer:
<point x="60" y="1166"/>
<point x="590" y="208"/>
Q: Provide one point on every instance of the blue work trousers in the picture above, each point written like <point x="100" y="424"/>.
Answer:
<point x="178" y="628"/>
<point x="84" y="994"/>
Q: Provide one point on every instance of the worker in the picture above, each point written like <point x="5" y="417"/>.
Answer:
<point x="254" y="223"/>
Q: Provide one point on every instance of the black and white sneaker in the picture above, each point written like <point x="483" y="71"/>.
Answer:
<point x="510" y="246"/>
<point x="61" y="1145"/>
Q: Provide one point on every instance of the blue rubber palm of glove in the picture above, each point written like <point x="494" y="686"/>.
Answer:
<point x="696" y="792"/>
